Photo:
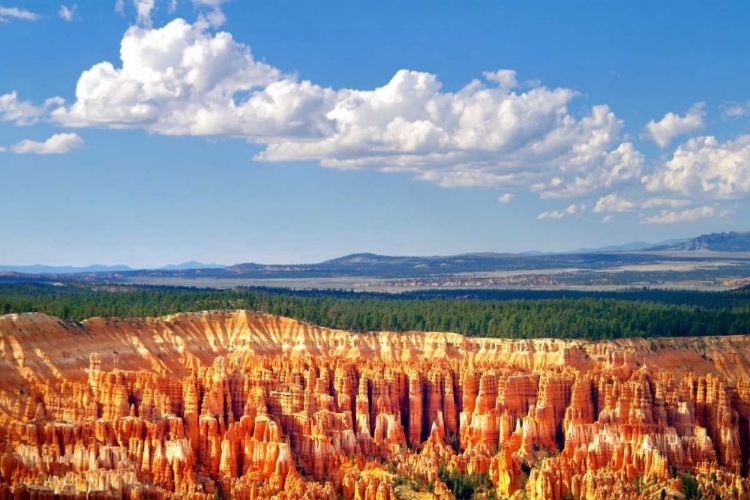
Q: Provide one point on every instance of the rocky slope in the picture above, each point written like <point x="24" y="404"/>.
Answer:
<point x="243" y="405"/>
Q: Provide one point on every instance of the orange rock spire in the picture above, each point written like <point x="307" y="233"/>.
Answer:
<point x="245" y="405"/>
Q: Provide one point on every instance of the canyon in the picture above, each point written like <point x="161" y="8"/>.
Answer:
<point x="238" y="404"/>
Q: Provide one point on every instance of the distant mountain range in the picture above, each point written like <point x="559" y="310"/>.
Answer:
<point x="370" y="264"/>
<point x="43" y="269"/>
<point x="629" y="247"/>
<point x="385" y="266"/>
<point x="191" y="265"/>
<point x="715" y="242"/>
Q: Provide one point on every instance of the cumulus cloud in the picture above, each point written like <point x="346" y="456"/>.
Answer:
<point x="67" y="13"/>
<point x="690" y="215"/>
<point x="211" y="12"/>
<point x="178" y="80"/>
<point x="215" y="17"/>
<point x="22" y="113"/>
<point x="555" y="214"/>
<point x="505" y="78"/>
<point x="480" y="136"/>
<point x="7" y="13"/>
<point x="183" y="79"/>
<point x="55" y="145"/>
<point x="735" y="109"/>
<point x="613" y="203"/>
<point x="143" y="9"/>
<point x="607" y="218"/>
<point x="559" y="214"/>
<point x="652" y="203"/>
<point x="673" y="125"/>
<point x="705" y="168"/>
<point x="19" y="112"/>
<point x="214" y="4"/>
<point x="188" y="79"/>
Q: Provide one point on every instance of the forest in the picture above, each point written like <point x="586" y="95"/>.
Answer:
<point x="489" y="313"/>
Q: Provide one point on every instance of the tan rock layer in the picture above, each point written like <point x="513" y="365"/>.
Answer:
<point x="253" y="406"/>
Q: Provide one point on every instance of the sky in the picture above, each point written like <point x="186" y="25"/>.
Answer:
<point x="148" y="132"/>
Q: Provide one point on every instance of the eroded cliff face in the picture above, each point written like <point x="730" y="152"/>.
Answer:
<point x="253" y="406"/>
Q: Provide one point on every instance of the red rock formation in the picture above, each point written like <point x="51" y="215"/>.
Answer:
<point x="253" y="406"/>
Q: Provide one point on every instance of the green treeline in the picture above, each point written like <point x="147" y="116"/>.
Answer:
<point x="508" y="314"/>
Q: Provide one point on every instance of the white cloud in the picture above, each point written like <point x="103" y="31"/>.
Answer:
<point x="673" y="125"/>
<point x="67" y="13"/>
<point x="2" y="149"/>
<point x="613" y="203"/>
<point x="615" y="167"/>
<point x="54" y="102"/>
<point x="664" y="203"/>
<point x="690" y="215"/>
<point x="57" y="144"/>
<point x="559" y="214"/>
<point x="735" y="109"/>
<point x="214" y="17"/>
<point x="187" y="79"/>
<point x="505" y="78"/>
<point x="607" y="218"/>
<point x="16" y="13"/>
<point x="575" y="209"/>
<point x="143" y="9"/>
<point x="214" y="4"/>
<point x="704" y="168"/>
<point x="24" y="113"/>
<point x="183" y="79"/>
<point x="555" y="214"/>
<point x="18" y="112"/>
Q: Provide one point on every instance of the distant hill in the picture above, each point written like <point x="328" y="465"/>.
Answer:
<point x="365" y="259"/>
<point x="630" y="247"/>
<point x="715" y="242"/>
<point x="627" y="247"/>
<point x="386" y="266"/>
<point x="97" y="268"/>
<point x="364" y="264"/>
<point x="42" y="269"/>
<point x="191" y="265"/>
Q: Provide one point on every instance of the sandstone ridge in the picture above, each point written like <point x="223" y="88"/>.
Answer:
<point x="240" y="404"/>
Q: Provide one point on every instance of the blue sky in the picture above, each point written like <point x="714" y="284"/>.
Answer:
<point x="232" y="131"/>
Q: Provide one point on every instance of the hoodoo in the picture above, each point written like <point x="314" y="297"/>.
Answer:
<point x="244" y="405"/>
